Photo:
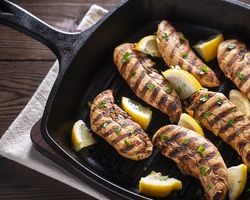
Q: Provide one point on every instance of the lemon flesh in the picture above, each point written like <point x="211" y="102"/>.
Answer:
<point x="208" y="49"/>
<point x="81" y="136"/>
<point x="138" y="113"/>
<point x="237" y="178"/>
<point x="184" y="83"/>
<point x="240" y="101"/>
<point x="156" y="185"/>
<point x="148" y="45"/>
<point x="189" y="122"/>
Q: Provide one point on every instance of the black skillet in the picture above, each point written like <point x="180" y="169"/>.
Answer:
<point x="86" y="68"/>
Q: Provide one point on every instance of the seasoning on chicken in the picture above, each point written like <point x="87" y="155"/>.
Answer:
<point x="139" y="72"/>
<point x="175" y="50"/>
<point x="115" y="126"/>
<point x="195" y="156"/>
<point x="234" y="60"/>
<point x="217" y="114"/>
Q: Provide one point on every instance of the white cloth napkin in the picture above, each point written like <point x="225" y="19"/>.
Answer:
<point x="16" y="144"/>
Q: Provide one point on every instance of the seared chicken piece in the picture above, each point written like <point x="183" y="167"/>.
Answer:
<point x="138" y="71"/>
<point x="115" y="126"/>
<point x="217" y="114"/>
<point x="195" y="156"/>
<point x="234" y="61"/>
<point x="175" y="50"/>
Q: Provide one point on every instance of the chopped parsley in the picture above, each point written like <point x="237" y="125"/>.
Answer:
<point x="104" y="125"/>
<point x="219" y="101"/>
<point x="201" y="149"/>
<point x="165" y="36"/>
<point x="186" y="141"/>
<point x="204" y="98"/>
<point x="151" y="86"/>
<point x="235" y="109"/>
<point x="164" y="138"/>
<point x="133" y="73"/>
<point x="231" y="46"/>
<point x="118" y="130"/>
<point x="203" y="170"/>
<point x="127" y="143"/>
<point x="237" y="133"/>
<point x="101" y="105"/>
<point x="125" y="57"/>
<point x="209" y="187"/>
<point x="185" y="55"/>
<point x="182" y="39"/>
<point x="208" y="114"/>
<point x="231" y="122"/>
<point x="204" y="69"/>
<point x="240" y="76"/>
<point x="168" y="89"/>
<point x="131" y="131"/>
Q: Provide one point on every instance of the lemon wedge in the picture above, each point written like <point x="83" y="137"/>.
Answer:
<point x="190" y="123"/>
<point x="208" y="49"/>
<point x="182" y="81"/>
<point x="81" y="136"/>
<point x="240" y="101"/>
<point x="237" y="178"/>
<point x="148" y="45"/>
<point x="157" y="185"/>
<point x="138" y="113"/>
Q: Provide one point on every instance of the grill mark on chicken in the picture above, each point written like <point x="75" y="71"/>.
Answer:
<point x="171" y="50"/>
<point x="189" y="160"/>
<point x="114" y="125"/>
<point x="147" y="84"/>
<point x="231" y="125"/>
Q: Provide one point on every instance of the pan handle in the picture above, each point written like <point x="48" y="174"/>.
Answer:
<point x="63" y="44"/>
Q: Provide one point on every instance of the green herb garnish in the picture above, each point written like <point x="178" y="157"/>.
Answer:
<point x="209" y="187"/>
<point x="182" y="39"/>
<point x="201" y="149"/>
<point x="101" y="105"/>
<point x="151" y="86"/>
<point x="208" y="114"/>
<point x="231" y="46"/>
<point x="168" y="89"/>
<point x="165" y="36"/>
<point x="133" y="73"/>
<point x="204" y="98"/>
<point x="186" y="141"/>
<point x="104" y="125"/>
<point x="231" y="122"/>
<point x="125" y="57"/>
<point x="131" y="131"/>
<point x="127" y="143"/>
<point x="203" y="170"/>
<point x="240" y="76"/>
<point x="219" y="101"/>
<point x="204" y="69"/>
<point x="185" y="55"/>
<point x="164" y="138"/>
<point x="118" y="130"/>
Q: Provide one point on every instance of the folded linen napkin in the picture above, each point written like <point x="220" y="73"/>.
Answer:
<point x="16" y="144"/>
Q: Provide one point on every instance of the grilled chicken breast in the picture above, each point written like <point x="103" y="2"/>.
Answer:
<point x="217" y="114"/>
<point x="195" y="156"/>
<point x="138" y="71"/>
<point x="234" y="61"/>
<point x="115" y="126"/>
<point x="175" y="50"/>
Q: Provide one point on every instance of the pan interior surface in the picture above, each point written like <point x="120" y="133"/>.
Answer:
<point x="93" y="71"/>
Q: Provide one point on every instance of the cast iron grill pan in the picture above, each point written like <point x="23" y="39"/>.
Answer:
<point x="105" y="161"/>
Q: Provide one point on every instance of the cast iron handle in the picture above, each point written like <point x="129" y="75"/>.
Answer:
<point x="63" y="44"/>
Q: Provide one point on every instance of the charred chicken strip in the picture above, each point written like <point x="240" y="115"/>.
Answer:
<point x="234" y="61"/>
<point x="115" y="126"/>
<point x="138" y="71"/>
<point x="175" y="50"/>
<point x="195" y="156"/>
<point x="217" y="114"/>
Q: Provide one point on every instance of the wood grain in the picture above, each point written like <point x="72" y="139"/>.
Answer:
<point x="23" y="65"/>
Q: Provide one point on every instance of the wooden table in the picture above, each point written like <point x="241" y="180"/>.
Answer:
<point x="23" y="65"/>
